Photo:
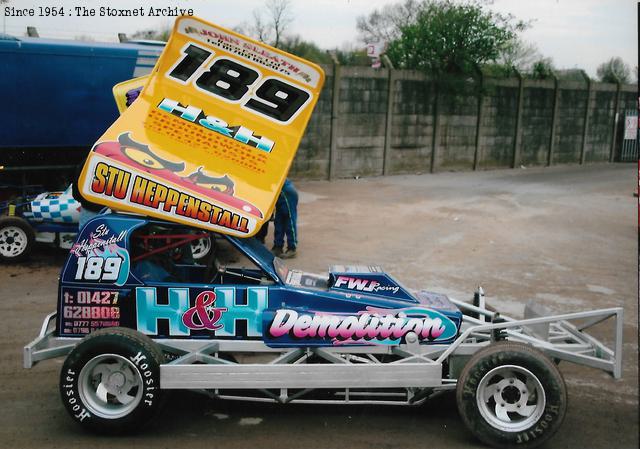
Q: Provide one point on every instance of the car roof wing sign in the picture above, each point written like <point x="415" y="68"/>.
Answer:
<point x="210" y="138"/>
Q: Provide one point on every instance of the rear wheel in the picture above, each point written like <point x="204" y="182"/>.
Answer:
<point x="16" y="239"/>
<point x="511" y="395"/>
<point x="110" y="382"/>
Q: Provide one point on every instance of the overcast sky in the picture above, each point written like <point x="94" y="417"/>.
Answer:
<point x="574" y="33"/>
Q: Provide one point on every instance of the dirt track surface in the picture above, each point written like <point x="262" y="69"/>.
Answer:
<point x="564" y="236"/>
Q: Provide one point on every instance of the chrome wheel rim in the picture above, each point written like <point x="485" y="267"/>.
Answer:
<point x="13" y="241"/>
<point x="510" y="398"/>
<point x="110" y="386"/>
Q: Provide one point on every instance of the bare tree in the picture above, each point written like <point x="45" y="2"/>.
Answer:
<point x="520" y="54"/>
<point x="386" y="23"/>
<point x="613" y="71"/>
<point x="271" y="22"/>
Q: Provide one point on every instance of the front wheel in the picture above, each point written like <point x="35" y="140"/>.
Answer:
<point x="110" y="382"/>
<point x="16" y="239"/>
<point x="511" y="395"/>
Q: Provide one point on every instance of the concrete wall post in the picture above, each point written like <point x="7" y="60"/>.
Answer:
<point x="480" y="115"/>
<point x="517" y="138"/>
<point x="388" y="127"/>
<point x="585" y="128"/>
<point x="435" y="144"/>
<point x="554" y="119"/>
<point x="335" y="113"/>
<point x="614" y="134"/>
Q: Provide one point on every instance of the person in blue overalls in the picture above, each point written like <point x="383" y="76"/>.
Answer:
<point x="286" y="222"/>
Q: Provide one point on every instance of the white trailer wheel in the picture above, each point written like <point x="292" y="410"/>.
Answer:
<point x="16" y="239"/>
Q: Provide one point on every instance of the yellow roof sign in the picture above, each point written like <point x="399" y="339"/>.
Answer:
<point x="211" y="137"/>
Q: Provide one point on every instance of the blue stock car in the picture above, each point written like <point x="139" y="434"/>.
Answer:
<point x="49" y="217"/>
<point x="137" y="316"/>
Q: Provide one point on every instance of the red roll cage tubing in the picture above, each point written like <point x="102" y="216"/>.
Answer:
<point x="183" y="239"/>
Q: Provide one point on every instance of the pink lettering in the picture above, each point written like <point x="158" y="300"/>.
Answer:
<point x="369" y="326"/>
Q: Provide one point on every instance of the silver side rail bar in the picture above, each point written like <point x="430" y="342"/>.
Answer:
<point x="46" y="345"/>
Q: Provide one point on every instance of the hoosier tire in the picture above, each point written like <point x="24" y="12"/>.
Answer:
<point x="110" y="382"/>
<point x="511" y="395"/>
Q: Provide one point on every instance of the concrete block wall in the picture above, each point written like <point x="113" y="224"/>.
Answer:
<point x="391" y="122"/>
<point x="455" y="147"/>
<point x="537" y="112"/>
<point x="498" y="125"/>
<point x="312" y="158"/>
<point x="600" y="132"/>
<point x="361" y="122"/>
<point x="570" y="122"/>
<point x="412" y="124"/>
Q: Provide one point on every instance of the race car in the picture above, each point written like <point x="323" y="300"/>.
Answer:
<point x="49" y="217"/>
<point x="137" y="316"/>
<point x="206" y="148"/>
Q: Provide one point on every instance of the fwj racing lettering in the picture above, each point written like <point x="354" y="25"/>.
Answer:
<point x="364" y="285"/>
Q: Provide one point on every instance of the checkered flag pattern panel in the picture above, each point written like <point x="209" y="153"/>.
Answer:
<point x="59" y="210"/>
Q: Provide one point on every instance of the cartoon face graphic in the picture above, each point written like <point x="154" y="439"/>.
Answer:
<point x="142" y="158"/>
<point x="222" y="184"/>
<point x="143" y="155"/>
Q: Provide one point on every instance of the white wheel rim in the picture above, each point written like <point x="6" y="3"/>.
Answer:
<point x="510" y="398"/>
<point x="110" y="386"/>
<point x="200" y="248"/>
<point x="13" y="241"/>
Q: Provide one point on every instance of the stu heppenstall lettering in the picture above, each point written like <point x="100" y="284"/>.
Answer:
<point x="98" y="239"/>
<point x="109" y="180"/>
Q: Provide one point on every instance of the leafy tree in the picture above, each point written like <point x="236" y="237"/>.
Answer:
<point x="347" y="55"/>
<point x="613" y="71"/>
<point x="353" y="55"/>
<point x="570" y="74"/>
<point x="452" y="38"/>
<point x="498" y="70"/>
<point x="305" y="49"/>
<point x="542" y="69"/>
